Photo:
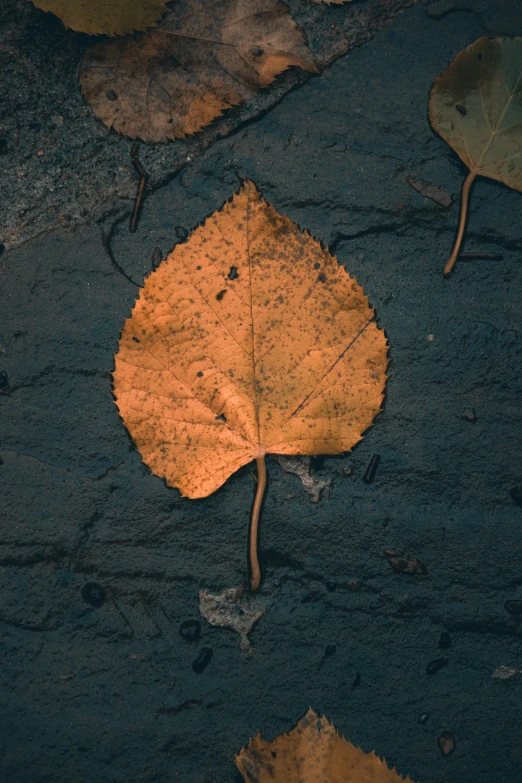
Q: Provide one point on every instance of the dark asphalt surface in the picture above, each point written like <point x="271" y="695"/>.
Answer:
<point x="102" y="694"/>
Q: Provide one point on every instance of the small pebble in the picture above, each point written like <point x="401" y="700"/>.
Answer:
<point x="93" y="594"/>
<point x="190" y="630"/>
<point x="157" y="257"/>
<point x="348" y="471"/>
<point x="181" y="233"/>
<point x="371" y="470"/>
<point x="435" y="666"/>
<point x="431" y="338"/>
<point x="330" y="649"/>
<point x="516" y="495"/>
<point x="513" y="608"/>
<point x="446" y="743"/>
<point x="203" y="660"/>
<point x="40" y="153"/>
<point x="444" y="640"/>
<point x="468" y="414"/>
<point x="424" y="718"/>
<point x="405" y="565"/>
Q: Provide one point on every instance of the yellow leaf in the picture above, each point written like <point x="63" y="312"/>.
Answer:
<point x="313" y="752"/>
<point x="205" y="58"/>
<point x="248" y="339"/>
<point x="109" y="17"/>
<point x="476" y="106"/>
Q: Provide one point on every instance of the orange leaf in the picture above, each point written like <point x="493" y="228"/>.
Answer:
<point x="248" y="339"/>
<point x="313" y="752"/>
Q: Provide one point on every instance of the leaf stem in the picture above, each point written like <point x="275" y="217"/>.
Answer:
<point x="462" y="224"/>
<point x="255" y="573"/>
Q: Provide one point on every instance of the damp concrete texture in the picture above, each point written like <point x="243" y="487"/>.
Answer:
<point x="98" y="685"/>
<point x="61" y="167"/>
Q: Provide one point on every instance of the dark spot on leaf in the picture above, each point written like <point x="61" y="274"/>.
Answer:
<point x="93" y="594"/>
<point x="479" y="57"/>
<point x="274" y="754"/>
<point x="200" y="374"/>
<point x="135" y="339"/>
<point x="190" y="630"/>
<point x="233" y="273"/>
<point x="461" y="109"/>
<point x="317" y="266"/>
<point x="256" y="51"/>
<point x="322" y="277"/>
<point x="221" y="294"/>
<point x="221" y="417"/>
<point x="111" y="95"/>
<point x="203" y="660"/>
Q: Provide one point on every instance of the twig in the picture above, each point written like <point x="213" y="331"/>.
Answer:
<point x="468" y="182"/>
<point x="141" y="186"/>
<point x="255" y="573"/>
<point x="107" y="244"/>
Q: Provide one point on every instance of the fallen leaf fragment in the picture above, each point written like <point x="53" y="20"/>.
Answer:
<point x="205" y="58"/>
<point x="232" y="609"/>
<point x="332" y="2"/>
<point x="446" y="743"/>
<point x="248" y="339"/>
<point x="405" y="565"/>
<point x="108" y="17"/>
<point x="505" y="673"/>
<point x="476" y="106"/>
<point x="430" y="191"/>
<point x="300" y="467"/>
<point x="313" y="752"/>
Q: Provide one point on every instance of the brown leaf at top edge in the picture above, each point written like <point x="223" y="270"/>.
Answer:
<point x="332" y="2"/>
<point x="105" y="17"/>
<point x="205" y="58"/>
<point x="216" y="369"/>
<point x="313" y="751"/>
